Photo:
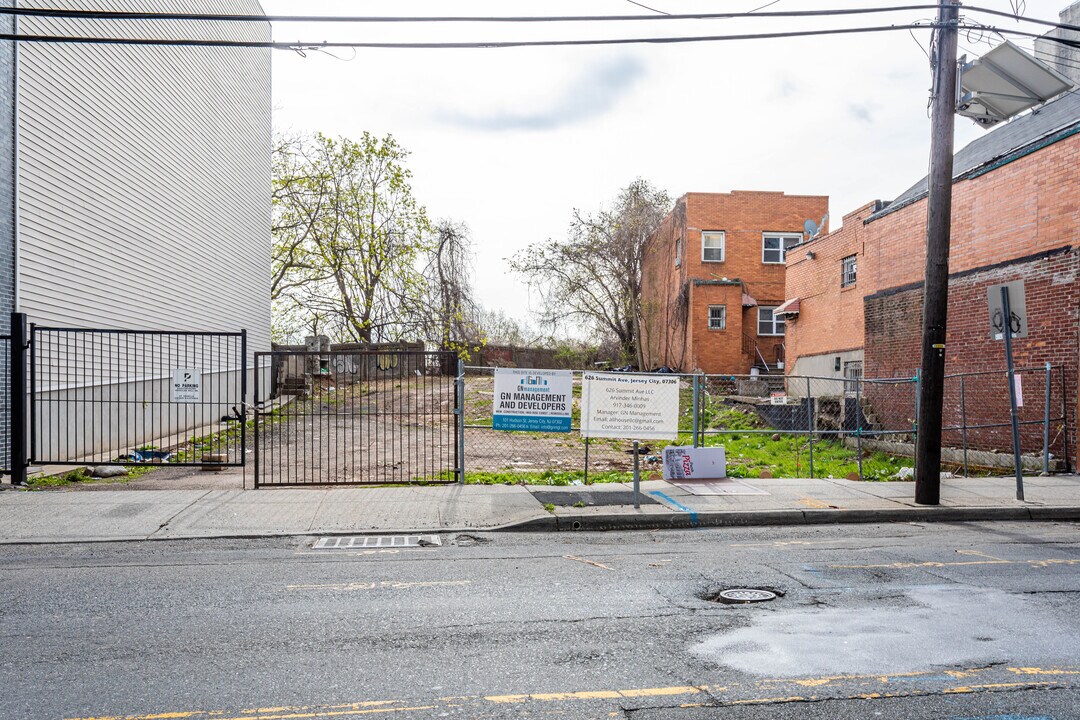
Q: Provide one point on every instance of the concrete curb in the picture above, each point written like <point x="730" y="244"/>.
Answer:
<point x="739" y="518"/>
<point x="634" y="521"/>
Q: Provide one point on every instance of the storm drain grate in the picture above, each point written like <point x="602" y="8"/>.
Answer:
<point x="362" y="542"/>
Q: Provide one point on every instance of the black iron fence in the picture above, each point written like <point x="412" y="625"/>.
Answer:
<point x="125" y="396"/>
<point x="5" y="403"/>
<point x="356" y="417"/>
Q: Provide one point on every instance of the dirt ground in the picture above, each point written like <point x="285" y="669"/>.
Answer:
<point x="389" y="431"/>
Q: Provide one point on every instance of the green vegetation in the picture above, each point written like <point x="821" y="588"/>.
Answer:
<point x="550" y="507"/>
<point x="536" y="477"/>
<point x="750" y="453"/>
<point x="79" y="475"/>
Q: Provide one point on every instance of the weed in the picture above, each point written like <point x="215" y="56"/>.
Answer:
<point x="550" y="507"/>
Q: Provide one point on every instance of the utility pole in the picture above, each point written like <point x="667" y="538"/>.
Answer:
<point x="936" y="285"/>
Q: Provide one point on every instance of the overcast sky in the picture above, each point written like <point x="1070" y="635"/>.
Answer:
<point x="510" y="141"/>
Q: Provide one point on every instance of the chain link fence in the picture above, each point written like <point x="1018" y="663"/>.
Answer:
<point x="790" y="426"/>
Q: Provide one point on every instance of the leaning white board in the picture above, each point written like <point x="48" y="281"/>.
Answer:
<point x="691" y="463"/>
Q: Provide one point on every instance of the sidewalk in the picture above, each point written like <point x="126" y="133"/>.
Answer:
<point x="104" y="515"/>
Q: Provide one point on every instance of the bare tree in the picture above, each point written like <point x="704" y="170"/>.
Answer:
<point x="593" y="277"/>
<point x="452" y="314"/>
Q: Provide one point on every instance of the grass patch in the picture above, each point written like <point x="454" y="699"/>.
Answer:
<point x="750" y="453"/>
<point x="547" y="477"/>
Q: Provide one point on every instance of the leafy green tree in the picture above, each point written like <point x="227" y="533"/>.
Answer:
<point x="349" y="238"/>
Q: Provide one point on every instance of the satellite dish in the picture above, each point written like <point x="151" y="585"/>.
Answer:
<point x="814" y="229"/>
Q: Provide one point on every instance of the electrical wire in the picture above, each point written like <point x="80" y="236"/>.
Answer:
<point x="634" y="2"/>
<point x="276" y="45"/>
<point x="248" y="18"/>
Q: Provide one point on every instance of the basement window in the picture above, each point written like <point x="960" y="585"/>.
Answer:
<point x="718" y="317"/>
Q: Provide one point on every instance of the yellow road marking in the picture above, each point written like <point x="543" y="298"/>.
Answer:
<point x="1041" y="671"/>
<point x="382" y="585"/>
<point x="587" y="562"/>
<point x="373" y="707"/>
<point x="937" y="564"/>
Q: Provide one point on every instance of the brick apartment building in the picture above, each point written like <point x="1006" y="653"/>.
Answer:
<point x="856" y="294"/>
<point x="712" y="276"/>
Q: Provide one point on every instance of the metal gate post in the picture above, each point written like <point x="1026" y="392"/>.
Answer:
<point x="460" y="410"/>
<point x="17" y="398"/>
<point x="255" y="420"/>
<point x="810" y="424"/>
<point x="243" y="397"/>
<point x="858" y="421"/>
<point x="963" y="422"/>
<point x="1046" y="425"/>
<point x="697" y="407"/>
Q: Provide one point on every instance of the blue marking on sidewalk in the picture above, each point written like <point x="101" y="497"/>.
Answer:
<point x="677" y="504"/>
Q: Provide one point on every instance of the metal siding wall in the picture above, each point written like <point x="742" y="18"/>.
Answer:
<point x="145" y="171"/>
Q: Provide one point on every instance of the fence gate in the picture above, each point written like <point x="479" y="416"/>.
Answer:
<point x="355" y="417"/>
<point x="136" y="396"/>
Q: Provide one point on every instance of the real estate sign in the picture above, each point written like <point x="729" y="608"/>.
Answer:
<point x="534" y="400"/>
<point x="629" y="406"/>
<point x="186" y="385"/>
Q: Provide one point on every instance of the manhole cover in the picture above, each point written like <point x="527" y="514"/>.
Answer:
<point x="745" y="595"/>
<point x="376" y="541"/>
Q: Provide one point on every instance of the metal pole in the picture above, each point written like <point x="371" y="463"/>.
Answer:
<point x="255" y="420"/>
<point x="586" y="461"/>
<point x="637" y="477"/>
<point x="1007" y="313"/>
<point x="858" y="422"/>
<point x="461" y="421"/>
<point x="697" y="407"/>
<point x="1065" y="422"/>
<point x="243" y="397"/>
<point x="1046" y="424"/>
<point x="936" y="286"/>
<point x="810" y="424"/>
<point x="963" y="422"/>
<point x="17" y="392"/>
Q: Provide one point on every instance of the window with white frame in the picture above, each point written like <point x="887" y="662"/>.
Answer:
<point x="847" y="271"/>
<point x="712" y="247"/>
<point x="678" y="252"/>
<point x="774" y="246"/>
<point x="769" y="323"/>
<point x="718" y="317"/>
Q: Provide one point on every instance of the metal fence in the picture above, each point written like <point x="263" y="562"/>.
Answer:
<point x="110" y="397"/>
<point x="5" y="403"/>
<point x="356" y="417"/>
<point x="791" y="426"/>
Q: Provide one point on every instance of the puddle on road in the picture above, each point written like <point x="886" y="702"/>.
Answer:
<point x="929" y="627"/>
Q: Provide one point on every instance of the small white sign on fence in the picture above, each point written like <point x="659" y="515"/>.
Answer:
<point x="629" y="406"/>
<point x="186" y="385"/>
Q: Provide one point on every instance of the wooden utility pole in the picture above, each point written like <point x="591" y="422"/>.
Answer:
<point x="936" y="286"/>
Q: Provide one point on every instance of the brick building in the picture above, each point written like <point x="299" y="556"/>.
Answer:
<point x="712" y="276"/>
<point x="1015" y="216"/>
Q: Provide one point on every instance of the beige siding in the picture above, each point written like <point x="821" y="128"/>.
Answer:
<point x="145" y="175"/>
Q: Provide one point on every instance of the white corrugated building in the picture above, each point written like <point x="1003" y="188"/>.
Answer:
<point x="142" y="180"/>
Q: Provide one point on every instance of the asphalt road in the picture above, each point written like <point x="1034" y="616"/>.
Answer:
<point x="892" y="621"/>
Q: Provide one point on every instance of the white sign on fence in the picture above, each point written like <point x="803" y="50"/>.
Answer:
<point x="186" y="385"/>
<point x="629" y="406"/>
<point x="532" y="400"/>
<point x="691" y="463"/>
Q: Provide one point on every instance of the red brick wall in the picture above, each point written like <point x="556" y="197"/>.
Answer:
<point x="822" y="302"/>
<point x="1052" y="290"/>
<point x="743" y="217"/>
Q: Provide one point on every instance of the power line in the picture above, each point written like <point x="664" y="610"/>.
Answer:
<point x="271" y="44"/>
<point x="248" y="18"/>
<point x="275" y="45"/>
